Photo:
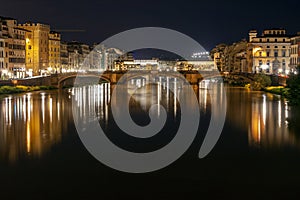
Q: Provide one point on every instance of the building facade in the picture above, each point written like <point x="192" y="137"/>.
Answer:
<point x="64" y="57"/>
<point x="54" y="53"/>
<point x="295" y="53"/>
<point x="270" y="52"/>
<point x="12" y="49"/>
<point x="37" y="48"/>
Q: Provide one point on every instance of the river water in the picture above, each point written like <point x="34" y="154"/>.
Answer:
<point x="42" y="156"/>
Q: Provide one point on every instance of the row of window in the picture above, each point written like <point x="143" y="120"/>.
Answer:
<point x="55" y="55"/>
<point x="16" y="46"/>
<point x="276" y="47"/>
<point x="272" y="40"/>
<point x="295" y="61"/>
<point x="3" y="44"/>
<point x="295" y="50"/>
<point x="54" y="49"/>
<point x="260" y="62"/>
<point x="275" y="53"/>
<point x="17" y="60"/>
<point x="2" y="65"/>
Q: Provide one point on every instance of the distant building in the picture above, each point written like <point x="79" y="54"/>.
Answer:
<point x="77" y="53"/>
<point x="207" y="65"/>
<point x="3" y="63"/>
<point x="137" y="65"/>
<point x="54" y="53"/>
<point x="295" y="53"/>
<point x="96" y="57"/>
<point x="270" y="52"/>
<point x="64" y="57"/>
<point x="111" y="55"/>
<point x="230" y="58"/>
<point x="37" y="47"/>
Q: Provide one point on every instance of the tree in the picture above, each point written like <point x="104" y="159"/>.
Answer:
<point x="293" y="83"/>
<point x="261" y="81"/>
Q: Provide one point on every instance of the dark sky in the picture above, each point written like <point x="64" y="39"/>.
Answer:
<point x="209" y="22"/>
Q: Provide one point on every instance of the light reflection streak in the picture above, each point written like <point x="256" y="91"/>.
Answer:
<point x="43" y="106"/>
<point x="24" y="108"/>
<point x="6" y="109"/>
<point x="9" y="111"/>
<point x="58" y="111"/>
<point x="28" y="137"/>
<point x="50" y="108"/>
<point x="279" y="113"/>
<point x="29" y="106"/>
<point x="264" y="109"/>
<point x="286" y="113"/>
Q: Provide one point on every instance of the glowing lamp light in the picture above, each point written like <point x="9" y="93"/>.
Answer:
<point x="279" y="70"/>
<point x="287" y="71"/>
<point x="4" y="71"/>
<point x="15" y="82"/>
<point x="256" y="49"/>
<point x="264" y="67"/>
<point x="27" y="40"/>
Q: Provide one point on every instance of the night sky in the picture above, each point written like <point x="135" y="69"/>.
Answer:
<point x="209" y="22"/>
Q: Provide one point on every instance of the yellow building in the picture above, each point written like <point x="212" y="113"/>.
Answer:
<point x="37" y="48"/>
<point x="54" y="53"/>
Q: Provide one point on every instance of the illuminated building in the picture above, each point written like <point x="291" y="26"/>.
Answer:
<point x="201" y="55"/>
<point x="12" y="49"/>
<point x="54" y="53"/>
<point x="295" y="52"/>
<point x="269" y="53"/>
<point x="37" y="48"/>
<point x="3" y="63"/>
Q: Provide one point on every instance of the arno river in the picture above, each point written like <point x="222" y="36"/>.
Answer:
<point x="40" y="152"/>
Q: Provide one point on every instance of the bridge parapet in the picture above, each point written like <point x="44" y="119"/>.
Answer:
<point x="113" y="77"/>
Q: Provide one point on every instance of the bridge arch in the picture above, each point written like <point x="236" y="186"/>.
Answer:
<point x="62" y="79"/>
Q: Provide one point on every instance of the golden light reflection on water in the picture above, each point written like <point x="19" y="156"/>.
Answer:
<point x="30" y="124"/>
<point x="263" y="115"/>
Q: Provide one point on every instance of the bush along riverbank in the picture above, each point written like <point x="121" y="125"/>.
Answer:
<point x="21" y="89"/>
<point x="280" y="90"/>
<point x="262" y="82"/>
<point x="291" y="92"/>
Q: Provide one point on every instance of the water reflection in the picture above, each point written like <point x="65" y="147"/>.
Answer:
<point x="263" y="115"/>
<point x="30" y="124"/>
<point x="269" y="124"/>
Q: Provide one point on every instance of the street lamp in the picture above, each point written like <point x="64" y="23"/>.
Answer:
<point x="15" y="82"/>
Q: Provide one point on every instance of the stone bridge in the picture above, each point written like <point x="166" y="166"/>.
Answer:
<point x="67" y="79"/>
